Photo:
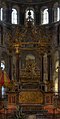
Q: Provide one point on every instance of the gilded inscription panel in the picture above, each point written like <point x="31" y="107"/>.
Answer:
<point x="31" y="97"/>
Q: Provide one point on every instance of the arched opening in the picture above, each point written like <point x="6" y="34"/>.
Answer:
<point x="1" y="14"/>
<point x="29" y="15"/>
<point x="14" y="16"/>
<point x="44" y="16"/>
<point x="56" y="10"/>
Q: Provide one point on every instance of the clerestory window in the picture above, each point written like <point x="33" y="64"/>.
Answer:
<point x="56" y="10"/>
<point x="14" y="16"/>
<point x="29" y="16"/>
<point x="1" y="14"/>
<point x="44" y="16"/>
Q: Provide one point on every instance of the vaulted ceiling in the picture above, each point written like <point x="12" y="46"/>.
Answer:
<point x="32" y="1"/>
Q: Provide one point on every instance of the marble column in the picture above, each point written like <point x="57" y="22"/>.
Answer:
<point x="8" y="13"/>
<point x="58" y="35"/>
<point x="50" y="14"/>
<point x="17" y="67"/>
<point x="4" y="14"/>
<point x="49" y="67"/>
<point x="1" y="35"/>
<point x="22" y="16"/>
<point x="59" y="76"/>
<point x="37" y="15"/>
<point x="59" y="80"/>
<point x="10" y="66"/>
<point x="0" y="69"/>
<point x="42" y="72"/>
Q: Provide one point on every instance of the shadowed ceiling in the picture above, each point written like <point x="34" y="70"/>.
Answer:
<point x="31" y="1"/>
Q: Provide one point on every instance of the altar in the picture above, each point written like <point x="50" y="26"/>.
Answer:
<point x="29" y="93"/>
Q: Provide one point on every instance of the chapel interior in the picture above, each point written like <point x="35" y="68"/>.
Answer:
<point x="29" y="59"/>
